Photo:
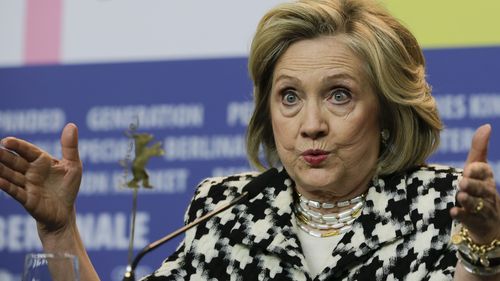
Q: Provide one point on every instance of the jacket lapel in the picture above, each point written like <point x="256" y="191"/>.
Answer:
<point x="385" y="218"/>
<point x="266" y="221"/>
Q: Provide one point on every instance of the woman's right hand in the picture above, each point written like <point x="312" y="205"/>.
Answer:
<point x="45" y="186"/>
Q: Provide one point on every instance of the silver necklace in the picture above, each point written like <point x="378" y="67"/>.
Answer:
<point x="329" y="224"/>
<point x="328" y="205"/>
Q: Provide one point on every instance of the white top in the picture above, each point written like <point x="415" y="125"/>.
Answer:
<point x="317" y="250"/>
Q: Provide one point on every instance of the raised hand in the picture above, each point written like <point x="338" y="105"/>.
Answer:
<point x="46" y="187"/>
<point x="478" y="196"/>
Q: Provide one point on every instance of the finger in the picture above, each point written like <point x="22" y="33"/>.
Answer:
<point x="457" y="213"/>
<point x="469" y="203"/>
<point x="13" y="161"/>
<point x="11" y="175"/>
<point x="69" y="142"/>
<point x="476" y="188"/>
<point x="16" y="192"/>
<point x="461" y="215"/>
<point x="27" y="150"/>
<point x="8" y="150"/>
<point x="479" y="147"/>
<point x="478" y="170"/>
<point x="478" y="221"/>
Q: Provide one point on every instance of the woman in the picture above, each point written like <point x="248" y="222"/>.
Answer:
<point x="345" y="114"/>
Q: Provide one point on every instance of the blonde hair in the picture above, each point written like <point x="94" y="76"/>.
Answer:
<point x="394" y="64"/>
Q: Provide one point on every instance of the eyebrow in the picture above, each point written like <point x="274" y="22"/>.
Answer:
<point x="285" y="77"/>
<point x="343" y="75"/>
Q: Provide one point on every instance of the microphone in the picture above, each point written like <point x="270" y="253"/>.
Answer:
<point x="250" y="190"/>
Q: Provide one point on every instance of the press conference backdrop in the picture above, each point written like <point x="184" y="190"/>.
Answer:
<point x="196" y="102"/>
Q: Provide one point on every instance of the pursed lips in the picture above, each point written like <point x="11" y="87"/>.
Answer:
<point x="315" y="156"/>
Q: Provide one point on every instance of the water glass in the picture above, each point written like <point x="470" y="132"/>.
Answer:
<point x="50" y="267"/>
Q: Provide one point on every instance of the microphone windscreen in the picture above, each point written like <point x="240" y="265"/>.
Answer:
<point x="255" y="186"/>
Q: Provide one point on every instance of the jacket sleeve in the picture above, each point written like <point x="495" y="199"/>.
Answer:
<point x="444" y="267"/>
<point x="173" y="267"/>
<point x="209" y="195"/>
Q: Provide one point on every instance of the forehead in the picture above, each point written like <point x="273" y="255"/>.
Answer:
<point x="325" y="55"/>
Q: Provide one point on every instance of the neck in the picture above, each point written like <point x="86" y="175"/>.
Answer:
<point x="326" y="196"/>
<point x="334" y="194"/>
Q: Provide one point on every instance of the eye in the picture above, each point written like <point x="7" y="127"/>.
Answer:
<point x="289" y="97"/>
<point x="340" y="96"/>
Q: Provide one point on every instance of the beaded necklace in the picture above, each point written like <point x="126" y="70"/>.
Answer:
<point x="329" y="224"/>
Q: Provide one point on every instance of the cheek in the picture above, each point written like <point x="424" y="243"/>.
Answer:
<point x="283" y="133"/>
<point x="360" y="127"/>
<point x="279" y="125"/>
<point x="341" y="112"/>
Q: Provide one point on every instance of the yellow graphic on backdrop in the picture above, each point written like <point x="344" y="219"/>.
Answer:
<point x="450" y="23"/>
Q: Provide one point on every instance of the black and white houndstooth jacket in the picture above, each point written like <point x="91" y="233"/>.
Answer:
<point x="402" y="234"/>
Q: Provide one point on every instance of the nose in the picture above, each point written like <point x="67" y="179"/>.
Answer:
<point x="314" y="123"/>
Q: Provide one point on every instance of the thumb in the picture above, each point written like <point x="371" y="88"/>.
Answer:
<point x="479" y="148"/>
<point x="69" y="142"/>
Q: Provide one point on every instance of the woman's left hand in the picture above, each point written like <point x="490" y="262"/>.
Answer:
<point x="478" y="197"/>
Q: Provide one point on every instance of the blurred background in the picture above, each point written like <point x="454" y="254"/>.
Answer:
<point x="178" y="69"/>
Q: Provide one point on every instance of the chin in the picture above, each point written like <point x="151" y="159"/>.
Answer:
<point x="316" y="177"/>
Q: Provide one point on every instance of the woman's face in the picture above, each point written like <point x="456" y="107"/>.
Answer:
<point x="325" y="118"/>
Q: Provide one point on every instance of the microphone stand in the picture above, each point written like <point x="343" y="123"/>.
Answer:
<point x="130" y="271"/>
